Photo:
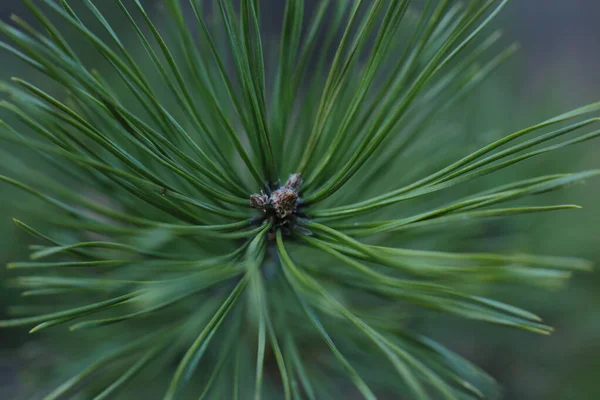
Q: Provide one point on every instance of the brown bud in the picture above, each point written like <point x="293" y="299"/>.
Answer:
<point x="260" y="202"/>
<point x="284" y="202"/>
<point x="294" y="181"/>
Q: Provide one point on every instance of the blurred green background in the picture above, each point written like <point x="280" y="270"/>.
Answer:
<point x="555" y="70"/>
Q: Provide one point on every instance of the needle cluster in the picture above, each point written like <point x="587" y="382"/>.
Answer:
<point x="177" y="271"/>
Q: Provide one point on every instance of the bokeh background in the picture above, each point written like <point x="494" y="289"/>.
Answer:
<point x="555" y="70"/>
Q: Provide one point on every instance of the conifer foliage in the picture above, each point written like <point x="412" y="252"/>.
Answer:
<point x="228" y="214"/>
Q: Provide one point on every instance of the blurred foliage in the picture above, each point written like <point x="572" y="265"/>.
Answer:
<point x="563" y="365"/>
